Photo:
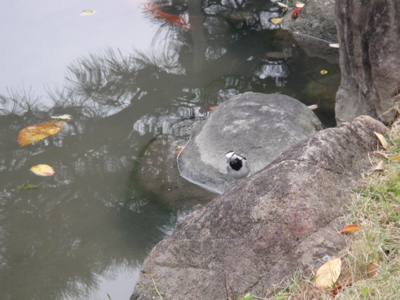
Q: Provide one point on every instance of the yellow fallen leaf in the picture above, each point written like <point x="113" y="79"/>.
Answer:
<point x="87" y="12"/>
<point x="395" y="157"/>
<point x="334" y="45"/>
<point x="328" y="273"/>
<point x="323" y="72"/>
<point x="34" y="133"/>
<point x="178" y="149"/>
<point x="299" y="4"/>
<point x="349" y="228"/>
<point x="382" y="140"/>
<point x="43" y="170"/>
<point x="62" y="117"/>
<point x="275" y="20"/>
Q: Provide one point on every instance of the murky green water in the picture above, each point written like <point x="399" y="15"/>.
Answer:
<point x="136" y="78"/>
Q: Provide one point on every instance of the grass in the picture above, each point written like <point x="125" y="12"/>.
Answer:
<point x="371" y="262"/>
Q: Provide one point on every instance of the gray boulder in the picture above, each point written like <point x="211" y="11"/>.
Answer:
<point x="256" y="126"/>
<point x="369" y="38"/>
<point x="283" y="217"/>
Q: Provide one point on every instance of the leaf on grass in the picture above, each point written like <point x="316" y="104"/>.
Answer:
<point x="379" y="167"/>
<point x="27" y="187"/>
<point x="395" y="157"/>
<point x="62" y="117"/>
<point x="276" y="20"/>
<point x="334" y="45"/>
<point x="43" y="170"/>
<point x="280" y="4"/>
<point x="34" y="133"/>
<point x="381" y="154"/>
<point x="372" y="269"/>
<point x="299" y="4"/>
<point x="323" y="72"/>
<point x="382" y="140"/>
<point x="87" y="12"/>
<point x="349" y="228"/>
<point x="312" y="107"/>
<point x="328" y="273"/>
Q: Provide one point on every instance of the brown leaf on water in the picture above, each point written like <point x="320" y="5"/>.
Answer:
<point x="395" y="157"/>
<point x="37" y="132"/>
<point x="328" y="273"/>
<point x="349" y="228"/>
<point x="43" y="170"/>
<point x="382" y="140"/>
<point x="379" y="167"/>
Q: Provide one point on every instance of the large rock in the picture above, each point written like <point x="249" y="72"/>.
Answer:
<point x="260" y="231"/>
<point x="257" y="126"/>
<point x="369" y="37"/>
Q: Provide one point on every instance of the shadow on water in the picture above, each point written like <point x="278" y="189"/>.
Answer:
<point x="117" y="191"/>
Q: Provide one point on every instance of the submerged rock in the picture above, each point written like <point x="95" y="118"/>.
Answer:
<point x="256" y="234"/>
<point x="256" y="126"/>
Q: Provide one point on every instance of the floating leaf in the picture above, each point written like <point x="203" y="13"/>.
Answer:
<point x="372" y="269"/>
<point x="276" y="20"/>
<point x="349" y="228"/>
<point x="334" y="45"/>
<point x="328" y="273"/>
<point x="27" y="187"/>
<point x="395" y="157"/>
<point x="43" y="170"/>
<point x="323" y="72"/>
<point x="62" y="117"/>
<point x="34" y="133"/>
<point x="379" y="167"/>
<point x="280" y="4"/>
<point x="87" y="12"/>
<point x="312" y="107"/>
<point x="382" y="140"/>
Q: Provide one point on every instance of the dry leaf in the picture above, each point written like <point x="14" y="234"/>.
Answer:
<point x="312" y="107"/>
<point x="275" y="20"/>
<point x="379" y="167"/>
<point x="334" y="45"/>
<point x="372" y="269"/>
<point x="328" y="273"/>
<point x="299" y="4"/>
<point x="382" y="140"/>
<point x="87" y="12"/>
<point x="213" y="107"/>
<point x="323" y="72"/>
<point x="395" y="157"/>
<point x="349" y="228"/>
<point x="178" y="149"/>
<point x="381" y="154"/>
<point x="280" y="4"/>
<point x="34" y="133"/>
<point x="43" y="170"/>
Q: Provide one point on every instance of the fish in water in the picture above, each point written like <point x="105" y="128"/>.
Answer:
<point x="236" y="165"/>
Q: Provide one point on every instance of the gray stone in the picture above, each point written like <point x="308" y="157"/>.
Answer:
<point x="369" y="37"/>
<point x="256" y="126"/>
<point x="257" y="233"/>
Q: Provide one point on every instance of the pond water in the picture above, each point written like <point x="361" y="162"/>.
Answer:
<point x="133" y="76"/>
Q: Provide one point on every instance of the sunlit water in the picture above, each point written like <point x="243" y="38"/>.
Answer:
<point x="134" y="78"/>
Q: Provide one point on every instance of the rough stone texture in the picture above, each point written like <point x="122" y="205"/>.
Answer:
<point x="257" y="126"/>
<point x="369" y="37"/>
<point x="283" y="217"/>
<point x="315" y="28"/>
